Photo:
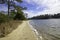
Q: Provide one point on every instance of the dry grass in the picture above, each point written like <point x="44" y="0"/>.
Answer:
<point x="23" y="32"/>
<point x="8" y="27"/>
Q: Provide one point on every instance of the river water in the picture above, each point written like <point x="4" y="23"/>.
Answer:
<point x="49" y="29"/>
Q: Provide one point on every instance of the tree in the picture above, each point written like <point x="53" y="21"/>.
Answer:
<point x="3" y="18"/>
<point x="11" y="3"/>
<point x="19" y="16"/>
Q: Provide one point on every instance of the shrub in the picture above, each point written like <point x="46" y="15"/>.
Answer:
<point x="3" y="18"/>
<point x="19" y="16"/>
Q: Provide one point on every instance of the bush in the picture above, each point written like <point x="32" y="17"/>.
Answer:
<point x="19" y="16"/>
<point x="3" y="18"/>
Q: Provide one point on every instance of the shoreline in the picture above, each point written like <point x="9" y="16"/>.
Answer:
<point x="36" y="32"/>
<point x="23" y="32"/>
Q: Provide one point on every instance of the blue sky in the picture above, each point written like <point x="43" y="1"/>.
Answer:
<point x="3" y="7"/>
<point x="38" y="7"/>
<point x="33" y="6"/>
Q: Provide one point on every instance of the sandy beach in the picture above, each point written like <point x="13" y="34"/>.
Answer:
<point x="23" y="32"/>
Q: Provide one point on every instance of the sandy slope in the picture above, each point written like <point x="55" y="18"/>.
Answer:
<point x="23" y="32"/>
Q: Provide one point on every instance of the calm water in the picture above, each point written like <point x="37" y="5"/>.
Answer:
<point x="49" y="28"/>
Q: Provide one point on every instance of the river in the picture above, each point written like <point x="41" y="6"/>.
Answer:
<point x="49" y="29"/>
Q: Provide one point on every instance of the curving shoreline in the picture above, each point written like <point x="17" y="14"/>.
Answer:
<point x="39" y="37"/>
<point x="23" y="32"/>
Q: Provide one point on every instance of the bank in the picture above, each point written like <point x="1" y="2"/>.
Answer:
<point x="23" y="32"/>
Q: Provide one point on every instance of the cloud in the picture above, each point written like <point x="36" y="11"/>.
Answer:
<point x="53" y="6"/>
<point x="29" y="12"/>
<point x="3" y="7"/>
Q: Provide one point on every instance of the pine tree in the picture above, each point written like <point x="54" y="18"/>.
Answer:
<point x="11" y="3"/>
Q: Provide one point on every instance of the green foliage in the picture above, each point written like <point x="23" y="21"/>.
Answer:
<point x="46" y="16"/>
<point x="12" y="14"/>
<point x="19" y="16"/>
<point x="19" y="0"/>
<point x="3" y="18"/>
<point x="15" y="15"/>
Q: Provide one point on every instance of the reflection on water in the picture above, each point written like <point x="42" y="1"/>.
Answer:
<point x="49" y="28"/>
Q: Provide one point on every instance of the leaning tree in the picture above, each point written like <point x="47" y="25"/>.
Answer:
<point x="12" y="3"/>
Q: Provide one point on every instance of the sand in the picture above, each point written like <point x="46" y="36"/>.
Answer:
<point x="23" y="32"/>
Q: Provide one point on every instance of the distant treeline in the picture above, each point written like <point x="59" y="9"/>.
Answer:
<point x="46" y="16"/>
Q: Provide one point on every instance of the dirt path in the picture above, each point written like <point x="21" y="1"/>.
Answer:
<point x="23" y="32"/>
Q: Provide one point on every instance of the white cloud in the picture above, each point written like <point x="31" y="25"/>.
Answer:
<point x="30" y="13"/>
<point x="53" y="6"/>
<point x="28" y="1"/>
<point x="3" y="7"/>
